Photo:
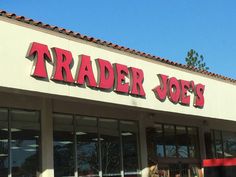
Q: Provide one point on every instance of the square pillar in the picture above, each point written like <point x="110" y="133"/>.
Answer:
<point x="47" y="138"/>
<point x="143" y="148"/>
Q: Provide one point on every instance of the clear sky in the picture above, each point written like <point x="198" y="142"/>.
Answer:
<point x="166" y="28"/>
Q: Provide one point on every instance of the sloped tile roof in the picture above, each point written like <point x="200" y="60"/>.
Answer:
<point x="109" y="44"/>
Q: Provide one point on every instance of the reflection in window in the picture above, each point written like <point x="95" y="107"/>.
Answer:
<point x="3" y="143"/>
<point x="110" y="147"/>
<point x="182" y="141"/>
<point x="170" y="145"/>
<point x="25" y="143"/>
<point x="63" y="145"/>
<point x="87" y="146"/>
<point x="218" y="144"/>
<point x="95" y="146"/>
<point x="172" y="141"/>
<point x="159" y="140"/>
<point x="193" y="142"/>
<point x="209" y="144"/>
<point x="129" y="131"/>
<point x="223" y="144"/>
<point x="229" y="142"/>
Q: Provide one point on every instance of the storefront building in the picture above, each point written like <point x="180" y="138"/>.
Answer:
<point x="72" y="105"/>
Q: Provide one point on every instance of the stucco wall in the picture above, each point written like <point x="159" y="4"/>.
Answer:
<point x="15" y="70"/>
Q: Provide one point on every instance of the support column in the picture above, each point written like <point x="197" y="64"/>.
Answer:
<point x="143" y="148"/>
<point x="47" y="138"/>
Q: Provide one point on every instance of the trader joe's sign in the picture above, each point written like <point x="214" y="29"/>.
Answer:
<point x="110" y="76"/>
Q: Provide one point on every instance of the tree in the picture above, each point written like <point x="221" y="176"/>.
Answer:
<point x="195" y="60"/>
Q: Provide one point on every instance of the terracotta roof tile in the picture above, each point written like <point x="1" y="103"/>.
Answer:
<point x="109" y="44"/>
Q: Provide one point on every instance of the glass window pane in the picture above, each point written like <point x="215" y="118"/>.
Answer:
<point x="218" y="144"/>
<point x="209" y="144"/>
<point x="3" y="143"/>
<point x="63" y="138"/>
<point x="151" y="145"/>
<point x="159" y="140"/>
<point x="25" y="143"/>
<point x="182" y="141"/>
<point x="129" y="133"/>
<point x="110" y="146"/>
<point x="87" y="146"/>
<point x="229" y="141"/>
<point x="193" y="142"/>
<point x="170" y="142"/>
<point x="213" y="144"/>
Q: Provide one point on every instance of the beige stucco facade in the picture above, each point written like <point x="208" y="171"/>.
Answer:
<point x="15" y="73"/>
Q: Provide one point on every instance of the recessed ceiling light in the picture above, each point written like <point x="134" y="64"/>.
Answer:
<point x="3" y="155"/>
<point x="4" y="140"/>
<point x="126" y="134"/>
<point x="88" y="118"/>
<point x="12" y="129"/>
<point x="96" y="139"/>
<point x="30" y="150"/>
<point x="65" y="142"/>
<point x="33" y="145"/>
<point x="80" y="133"/>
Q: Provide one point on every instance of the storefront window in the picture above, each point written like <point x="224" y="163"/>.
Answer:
<point x="129" y="131"/>
<point x="110" y="147"/>
<point x="218" y="144"/>
<point x="229" y="143"/>
<point x="159" y="140"/>
<point x="223" y="144"/>
<point x="209" y="144"/>
<point x="63" y="145"/>
<point x="87" y="146"/>
<point x="25" y="133"/>
<point x="182" y="141"/>
<point x="193" y="142"/>
<point x="95" y="146"/>
<point x="170" y="140"/>
<point x="4" y="155"/>
<point x="19" y="143"/>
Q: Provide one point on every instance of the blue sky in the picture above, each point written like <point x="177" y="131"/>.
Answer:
<point x="166" y="28"/>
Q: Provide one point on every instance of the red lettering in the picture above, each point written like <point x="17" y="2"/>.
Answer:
<point x="174" y="90"/>
<point x="161" y="90"/>
<point x="41" y="53"/>
<point x="62" y="65"/>
<point x="178" y="91"/>
<point x="121" y="72"/>
<point x="185" y="98"/>
<point x="106" y="76"/>
<point x="137" y="78"/>
<point x="199" y="98"/>
<point x="192" y="86"/>
<point x="85" y="73"/>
